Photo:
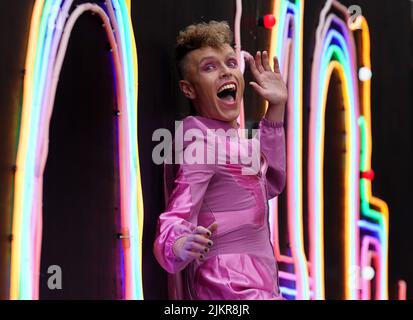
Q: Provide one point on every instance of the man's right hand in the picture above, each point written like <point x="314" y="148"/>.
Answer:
<point x="195" y="245"/>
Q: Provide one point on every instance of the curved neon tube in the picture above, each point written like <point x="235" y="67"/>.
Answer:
<point x="367" y="198"/>
<point x="290" y="58"/>
<point x="325" y="51"/>
<point x="366" y="262"/>
<point x="46" y="52"/>
<point x="238" y="48"/>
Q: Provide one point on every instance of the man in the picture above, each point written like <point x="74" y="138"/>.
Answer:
<point x="215" y="227"/>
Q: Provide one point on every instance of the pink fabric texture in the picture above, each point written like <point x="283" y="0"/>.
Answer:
<point x="241" y="264"/>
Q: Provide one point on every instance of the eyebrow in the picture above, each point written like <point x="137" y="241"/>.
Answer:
<point x="229" y="55"/>
<point x="206" y="58"/>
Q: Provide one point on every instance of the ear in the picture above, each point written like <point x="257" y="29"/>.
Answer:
<point x="187" y="89"/>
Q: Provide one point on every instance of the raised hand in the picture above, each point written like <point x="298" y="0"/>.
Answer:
<point x="268" y="83"/>
<point x="196" y="245"/>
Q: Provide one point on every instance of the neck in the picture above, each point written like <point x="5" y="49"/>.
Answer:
<point x="232" y="123"/>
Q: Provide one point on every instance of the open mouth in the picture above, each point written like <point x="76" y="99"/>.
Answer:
<point x="228" y="92"/>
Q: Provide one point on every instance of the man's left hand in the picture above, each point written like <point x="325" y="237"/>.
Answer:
<point x="268" y="82"/>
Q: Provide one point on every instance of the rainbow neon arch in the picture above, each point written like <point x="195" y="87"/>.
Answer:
<point x="50" y="31"/>
<point x="365" y="217"/>
<point x="287" y="45"/>
<point x="335" y="52"/>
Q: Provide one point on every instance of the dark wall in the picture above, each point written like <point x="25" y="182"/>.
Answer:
<point x="81" y="216"/>
<point x="161" y="103"/>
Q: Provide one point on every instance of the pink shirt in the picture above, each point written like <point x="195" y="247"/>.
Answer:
<point x="241" y="263"/>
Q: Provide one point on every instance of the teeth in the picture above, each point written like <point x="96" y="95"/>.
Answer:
<point x="227" y="87"/>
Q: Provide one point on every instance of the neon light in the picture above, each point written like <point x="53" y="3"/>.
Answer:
<point x="291" y="292"/>
<point x="402" y="289"/>
<point x="269" y="21"/>
<point x="335" y="52"/>
<point x="366" y="260"/>
<point x="46" y="52"/>
<point x="366" y="198"/>
<point x="289" y="52"/>
<point x="333" y="56"/>
<point x="365" y="74"/>
<point x="238" y="48"/>
<point x="288" y="291"/>
<point x="20" y="180"/>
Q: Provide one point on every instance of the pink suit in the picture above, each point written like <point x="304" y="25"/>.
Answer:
<point x="241" y="263"/>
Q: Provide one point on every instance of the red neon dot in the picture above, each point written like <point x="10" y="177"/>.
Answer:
<point x="269" y="21"/>
<point x="369" y="175"/>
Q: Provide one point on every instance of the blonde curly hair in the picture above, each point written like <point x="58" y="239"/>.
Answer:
<point x="212" y="34"/>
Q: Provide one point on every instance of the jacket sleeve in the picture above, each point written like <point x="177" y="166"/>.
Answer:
<point x="181" y="214"/>
<point x="272" y="144"/>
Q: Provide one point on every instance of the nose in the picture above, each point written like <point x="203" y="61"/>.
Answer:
<point x="225" y="71"/>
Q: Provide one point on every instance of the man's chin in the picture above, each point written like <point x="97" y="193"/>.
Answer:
<point x="230" y="116"/>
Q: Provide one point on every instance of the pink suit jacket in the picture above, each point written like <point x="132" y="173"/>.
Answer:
<point x="241" y="264"/>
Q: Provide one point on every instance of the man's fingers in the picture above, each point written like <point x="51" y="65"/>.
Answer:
<point x="202" y="230"/>
<point x="200" y="239"/>
<point x="198" y="244"/>
<point x="266" y="61"/>
<point x="196" y="247"/>
<point x="253" y="67"/>
<point x="276" y="65"/>
<point x="256" y="87"/>
<point x="207" y="232"/>
<point x="213" y="227"/>
<point x="194" y="255"/>
<point x="247" y="56"/>
<point x="190" y="255"/>
<point x="258" y="62"/>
